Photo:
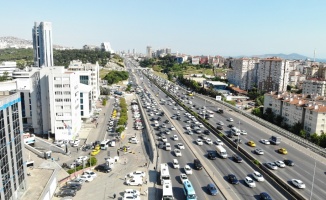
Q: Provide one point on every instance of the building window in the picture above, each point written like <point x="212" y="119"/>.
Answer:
<point x="82" y="113"/>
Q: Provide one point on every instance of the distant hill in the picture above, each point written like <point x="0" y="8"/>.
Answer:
<point x="292" y="56"/>
<point x="14" y="42"/>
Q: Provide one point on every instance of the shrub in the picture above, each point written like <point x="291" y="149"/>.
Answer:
<point x="92" y="160"/>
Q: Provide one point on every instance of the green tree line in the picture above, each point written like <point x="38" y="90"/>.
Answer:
<point x="116" y="76"/>
<point x="123" y="115"/>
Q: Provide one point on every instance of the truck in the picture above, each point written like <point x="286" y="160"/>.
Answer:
<point x="221" y="151"/>
<point x="275" y="140"/>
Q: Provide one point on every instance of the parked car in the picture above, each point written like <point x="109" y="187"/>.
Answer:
<point x="103" y="168"/>
<point x="75" y="187"/>
<point x="137" y="174"/>
<point x="135" y="181"/>
<point x="90" y="173"/>
<point x="66" y="193"/>
<point x="86" y="178"/>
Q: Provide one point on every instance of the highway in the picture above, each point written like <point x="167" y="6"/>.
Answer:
<point x="220" y="166"/>
<point x="304" y="161"/>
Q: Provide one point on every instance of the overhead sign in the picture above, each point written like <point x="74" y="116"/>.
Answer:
<point x="218" y="98"/>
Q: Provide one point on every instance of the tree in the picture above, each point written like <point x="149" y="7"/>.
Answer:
<point x="104" y="102"/>
<point x="296" y="128"/>
<point x="315" y="139"/>
<point x="260" y="100"/>
<point x="279" y="120"/>
<point x="4" y="77"/>
<point x="104" y="91"/>
<point x="257" y="112"/>
<point x="21" y="64"/>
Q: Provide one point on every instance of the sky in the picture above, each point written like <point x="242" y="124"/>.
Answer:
<point x="201" y="27"/>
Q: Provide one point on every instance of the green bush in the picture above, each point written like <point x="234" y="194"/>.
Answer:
<point x="104" y="102"/>
<point x="256" y="162"/>
<point x="92" y="160"/>
<point x="120" y="129"/>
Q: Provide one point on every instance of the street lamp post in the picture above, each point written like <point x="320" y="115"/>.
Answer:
<point x="313" y="181"/>
<point x="238" y="137"/>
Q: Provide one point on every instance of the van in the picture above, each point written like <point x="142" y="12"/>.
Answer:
<point x="175" y="164"/>
<point x="235" y="131"/>
<point x="105" y="144"/>
<point x="112" y="143"/>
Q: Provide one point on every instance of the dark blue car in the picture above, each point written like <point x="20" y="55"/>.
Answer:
<point x="265" y="196"/>
<point x="212" y="189"/>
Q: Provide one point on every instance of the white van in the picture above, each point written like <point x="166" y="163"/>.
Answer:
<point x="235" y="131"/>
<point x="105" y="144"/>
<point x="175" y="164"/>
<point x="112" y="143"/>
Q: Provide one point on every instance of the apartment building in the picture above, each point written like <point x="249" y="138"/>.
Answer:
<point x="315" y="86"/>
<point x="93" y="80"/>
<point x="13" y="168"/>
<point x="273" y="74"/>
<point x="243" y="73"/>
<point x="309" y="110"/>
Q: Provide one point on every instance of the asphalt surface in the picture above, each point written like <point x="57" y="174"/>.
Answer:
<point x="221" y="166"/>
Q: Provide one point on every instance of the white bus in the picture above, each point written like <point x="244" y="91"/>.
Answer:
<point x="165" y="174"/>
<point x="105" y="144"/>
<point x="167" y="190"/>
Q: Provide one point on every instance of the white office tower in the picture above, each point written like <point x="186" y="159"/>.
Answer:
<point x="42" y="44"/>
<point x="149" y="52"/>
<point x="106" y="46"/>
<point x="93" y="81"/>
<point x="61" y="92"/>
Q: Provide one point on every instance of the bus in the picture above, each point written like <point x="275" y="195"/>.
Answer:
<point x="165" y="174"/>
<point x="105" y="144"/>
<point x="189" y="190"/>
<point x="167" y="190"/>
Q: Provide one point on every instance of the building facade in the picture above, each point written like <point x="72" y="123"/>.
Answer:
<point x="149" y="52"/>
<point x="273" y="74"/>
<point x="315" y="86"/>
<point x="7" y="67"/>
<point x="106" y="46"/>
<point x="13" y="169"/>
<point x="42" y="44"/>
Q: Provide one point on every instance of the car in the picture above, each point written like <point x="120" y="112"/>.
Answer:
<point x="167" y="132"/>
<point x="183" y="177"/>
<point x="131" y="192"/>
<point x="249" y="182"/>
<point x="180" y="146"/>
<point x="172" y="128"/>
<point x="197" y="164"/>
<point x="188" y="121"/>
<point x="230" y="119"/>
<point x="237" y="158"/>
<point x="86" y="178"/>
<point x="230" y="125"/>
<point x="135" y="181"/>
<point x="206" y="132"/>
<point x="163" y="125"/>
<point x="219" y="127"/>
<point x="282" y="151"/>
<point x="258" y="176"/>
<point x="233" y="179"/>
<point x="251" y="143"/>
<point x="164" y="139"/>
<point x="264" y="141"/>
<point x="177" y="153"/>
<point x="187" y="127"/>
<point x="212" y="189"/>
<point x="95" y="152"/>
<point x="243" y="132"/>
<point x="175" y="137"/>
<point x="265" y="196"/>
<point x="203" y="137"/>
<point x="198" y="131"/>
<point x="130" y="197"/>
<point x="280" y="163"/>
<point x="211" y="155"/>
<point x="259" y="151"/>
<point x="209" y="141"/>
<point x="272" y="165"/>
<point x="66" y="193"/>
<point x="201" y="125"/>
<point x="187" y="169"/>
<point x="230" y="135"/>
<point x="76" y="181"/>
<point x="103" y="168"/>
<point x="199" y="142"/>
<point x="75" y="187"/>
<point x="220" y="123"/>
<point x="97" y="147"/>
<point x="239" y="141"/>
<point x="90" y="173"/>
<point x="298" y="183"/>
<point x="190" y="132"/>
<point x="219" y="142"/>
<point x="136" y="174"/>
<point x="289" y="162"/>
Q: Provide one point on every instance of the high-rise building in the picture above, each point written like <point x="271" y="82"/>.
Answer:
<point x="13" y="170"/>
<point x="149" y="52"/>
<point x="273" y="74"/>
<point x="106" y="46"/>
<point x="42" y="44"/>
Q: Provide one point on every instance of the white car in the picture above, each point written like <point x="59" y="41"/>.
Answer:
<point x="219" y="142"/>
<point x="209" y="141"/>
<point x="220" y="123"/>
<point x="201" y="125"/>
<point x="264" y="141"/>
<point x="180" y="146"/>
<point x="188" y="121"/>
<point x="258" y="176"/>
<point x="131" y="192"/>
<point x="90" y="173"/>
<point x="243" y="132"/>
<point x="188" y="127"/>
<point x="259" y="151"/>
<point x="131" y="197"/>
<point x="177" y="153"/>
<point x="272" y="165"/>
<point x="298" y="183"/>
<point x="172" y="128"/>
<point x="199" y="142"/>
<point x="167" y="132"/>
<point x="183" y="177"/>
<point x="136" y="174"/>
<point x="135" y="181"/>
<point x="80" y="159"/>
<point x="280" y="163"/>
<point x="250" y="182"/>
<point x="175" y="137"/>
<point x="230" y="119"/>
<point x="187" y="169"/>
<point x="164" y="139"/>
<point x="86" y="178"/>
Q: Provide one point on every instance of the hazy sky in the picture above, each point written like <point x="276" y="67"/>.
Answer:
<point x="201" y="27"/>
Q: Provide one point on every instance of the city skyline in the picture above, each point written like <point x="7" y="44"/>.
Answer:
<point x="233" y="28"/>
